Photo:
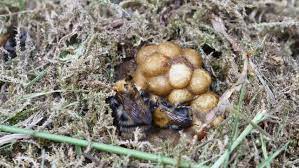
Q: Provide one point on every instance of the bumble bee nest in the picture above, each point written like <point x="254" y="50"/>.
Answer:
<point x="176" y="74"/>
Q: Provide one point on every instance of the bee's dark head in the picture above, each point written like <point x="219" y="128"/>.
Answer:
<point x="182" y="117"/>
<point x="183" y="111"/>
<point x="165" y="104"/>
<point x="117" y="111"/>
<point x="146" y="97"/>
<point x="113" y="102"/>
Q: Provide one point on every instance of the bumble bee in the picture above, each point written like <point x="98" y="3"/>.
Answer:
<point x="133" y="108"/>
<point x="130" y="108"/>
<point x="169" y="116"/>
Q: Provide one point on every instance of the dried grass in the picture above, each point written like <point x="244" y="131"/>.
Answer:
<point x="53" y="84"/>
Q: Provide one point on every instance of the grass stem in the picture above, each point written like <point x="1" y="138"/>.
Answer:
<point x="99" y="146"/>
<point x="258" y="118"/>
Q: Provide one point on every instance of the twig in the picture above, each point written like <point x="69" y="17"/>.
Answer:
<point x="223" y="103"/>
<point x="269" y="92"/>
<point x="10" y="138"/>
<point x="275" y="24"/>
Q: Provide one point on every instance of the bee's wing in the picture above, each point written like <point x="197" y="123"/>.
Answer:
<point x="180" y="117"/>
<point x="138" y="111"/>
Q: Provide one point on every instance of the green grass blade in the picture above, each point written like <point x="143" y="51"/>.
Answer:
<point x="241" y="98"/>
<point x="22" y="4"/>
<point x="99" y="146"/>
<point x="272" y="156"/>
<point x="34" y="95"/>
<point x="264" y="149"/>
<point x="37" y="78"/>
<point x="258" y="118"/>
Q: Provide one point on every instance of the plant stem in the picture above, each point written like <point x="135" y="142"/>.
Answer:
<point x="99" y="146"/>
<point x="258" y="118"/>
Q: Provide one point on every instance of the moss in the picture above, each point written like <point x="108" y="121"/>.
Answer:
<point x="21" y="116"/>
<point x="79" y="44"/>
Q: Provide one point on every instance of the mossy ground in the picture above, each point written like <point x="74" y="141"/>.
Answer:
<point x="58" y="83"/>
